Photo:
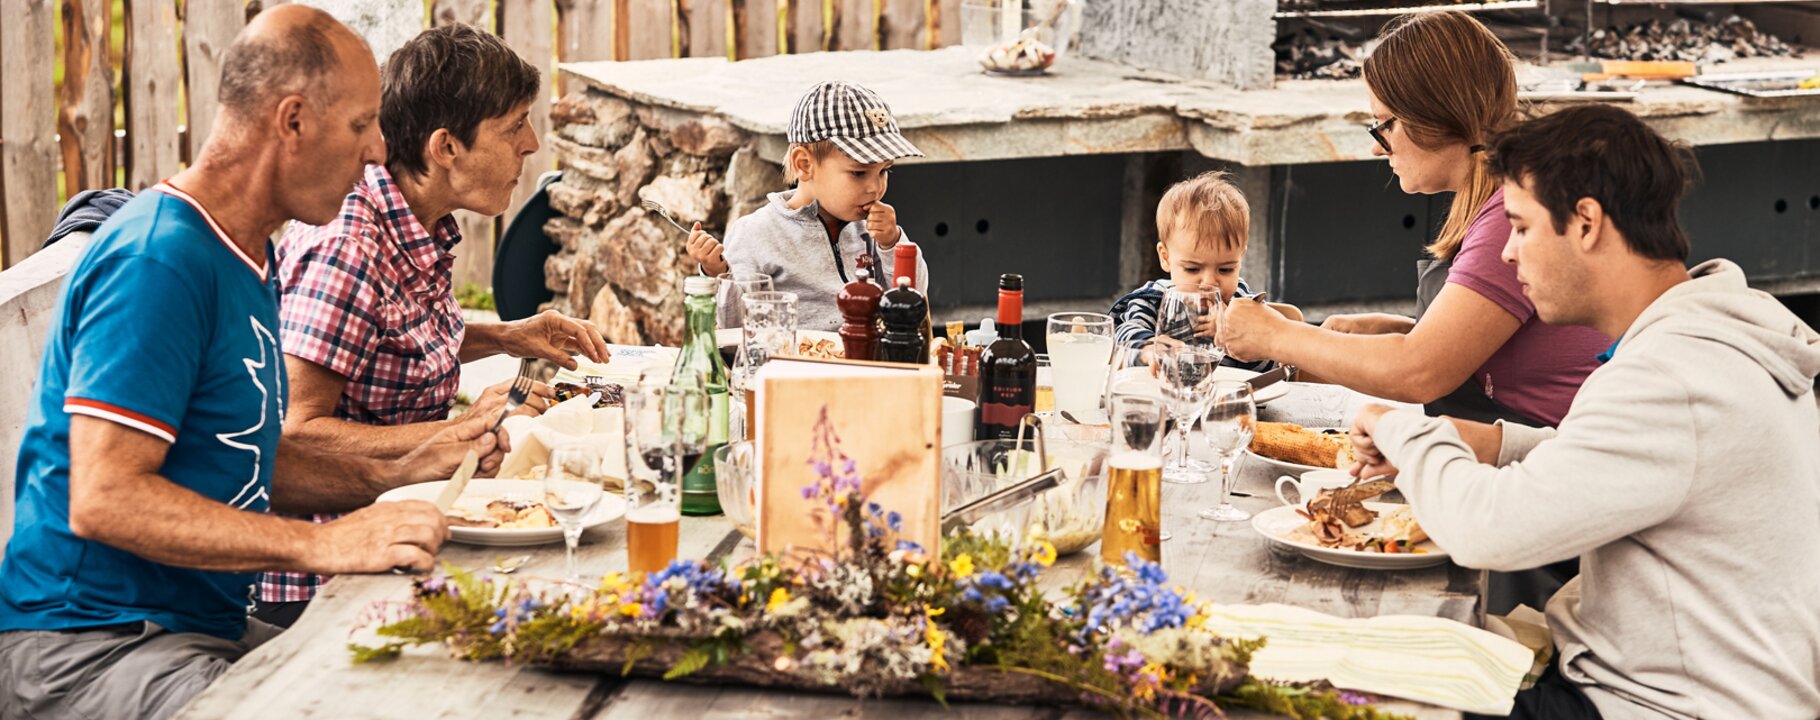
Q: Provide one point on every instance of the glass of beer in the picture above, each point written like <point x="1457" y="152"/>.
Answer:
<point x="572" y="485"/>
<point x="1134" y="480"/>
<point x="656" y="423"/>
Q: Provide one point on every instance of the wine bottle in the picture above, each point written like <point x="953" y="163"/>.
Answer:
<point x="1007" y="368"/>
<point x="701" y="358"/>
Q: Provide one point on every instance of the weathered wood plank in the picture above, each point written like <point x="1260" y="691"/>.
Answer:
<point x="757" y="29"/>
<point x="585" y="30"/>
<point x="944" y="23"/>
<point x="152" y="80"/>
<point x="85" y="120"/>
<point x="208" y="30"/>
<point x="903" y="24"/>
<point x="525" y="24"/>
<point x="474" y="256"/>
<point x="1226" y="42"/>
<point x="808" y="25"/>
<point x="28" y="127"/>
<point x="855" y="25"/>
<point x="649" y="28"/>
<point x="704" y="27"/>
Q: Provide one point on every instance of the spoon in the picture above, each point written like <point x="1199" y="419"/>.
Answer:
<point x="507" y="566"/>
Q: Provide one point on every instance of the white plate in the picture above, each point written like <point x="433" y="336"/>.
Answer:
<point x="611" y="507"/>
<point x="729" y="337"/>
<point x="1278" y="522"/>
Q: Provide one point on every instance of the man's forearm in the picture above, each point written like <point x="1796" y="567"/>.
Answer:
<point x="483" y="340"/>
<point x="156" y="519"/>
<point x="311" y="478"/>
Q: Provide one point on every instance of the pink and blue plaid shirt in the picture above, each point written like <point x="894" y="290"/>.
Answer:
<point x="370" y="296"/>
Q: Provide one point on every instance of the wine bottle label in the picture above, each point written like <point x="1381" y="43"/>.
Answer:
<point x="993" y="413"/>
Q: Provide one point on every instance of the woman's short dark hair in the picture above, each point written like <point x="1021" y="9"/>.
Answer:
<point x="453" y="77"/>
<point x="1607" y="154"/>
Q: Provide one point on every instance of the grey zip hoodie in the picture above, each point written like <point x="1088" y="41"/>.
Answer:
<point x="1686" y="478"/>
<point x="792" y="247"/>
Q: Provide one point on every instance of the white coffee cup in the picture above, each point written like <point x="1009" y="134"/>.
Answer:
<point x="957" y="421"/>
<point x="1312" y="483"/>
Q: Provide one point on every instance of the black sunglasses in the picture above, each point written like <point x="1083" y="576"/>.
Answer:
<point x="1378" y="129"/>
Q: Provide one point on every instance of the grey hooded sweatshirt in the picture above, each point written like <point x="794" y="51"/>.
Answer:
<point x="1686" y="478"/>
<point x="793" y="247"/>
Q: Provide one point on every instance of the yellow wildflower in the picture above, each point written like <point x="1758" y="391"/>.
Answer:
<point x="1045" y="553"/>
<point x="913" y="570"/>
<point x="629" y="609"/>
<point x="1152" y="676"/>
<point x="778" y="598"/>
<point x="936" y="638"/>
<point x="962" y="566"/>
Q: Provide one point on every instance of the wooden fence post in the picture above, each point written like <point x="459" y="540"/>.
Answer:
<point x="585" y="30"/>
<point x="474" y="257"/>
<point x="208" y="29"/>
<point x="903" y="25"/>
<point x="944" y="23"/>
<point x="706" y="22"/>
<point x="755" y="28"/>
<point x="808" y="25"/>
<point x="86" y="112"/>
<point x="647" y="28"/>
<point x="855" y="25"/>
<point x="152" y="79"/>
<point x="28" y="150"/>
<point x="525" y="24"/>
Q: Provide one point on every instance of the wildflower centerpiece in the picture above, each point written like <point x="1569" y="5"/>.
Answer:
<point x="876" y="616"/>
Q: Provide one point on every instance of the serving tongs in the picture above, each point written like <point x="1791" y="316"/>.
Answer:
<point x="1009" y="497"/>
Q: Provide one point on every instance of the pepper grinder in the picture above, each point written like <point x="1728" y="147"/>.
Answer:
<point x="859" y="302"/>
<point x="903" y="309"/>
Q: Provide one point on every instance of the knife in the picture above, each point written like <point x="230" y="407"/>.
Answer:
<point x="1265" y="380"/>
<point x="458" y="483"/>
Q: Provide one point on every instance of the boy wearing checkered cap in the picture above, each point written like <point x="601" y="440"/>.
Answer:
<point x="810" y="240"/>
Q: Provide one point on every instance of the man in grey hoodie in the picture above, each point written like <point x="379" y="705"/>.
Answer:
<point x="1685" y="476"/>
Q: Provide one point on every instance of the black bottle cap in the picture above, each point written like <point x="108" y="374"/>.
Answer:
<point x="1010" y="281"/>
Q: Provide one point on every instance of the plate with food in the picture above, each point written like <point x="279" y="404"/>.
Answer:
<point x="1343" y="527"/>
<point x="819" y="345"/>
<point x="1293" y="449"/>
<point x="505" y="513"/>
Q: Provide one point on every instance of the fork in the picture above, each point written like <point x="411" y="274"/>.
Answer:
<point x="520" y="392"/>
<point x="665" y="214"/>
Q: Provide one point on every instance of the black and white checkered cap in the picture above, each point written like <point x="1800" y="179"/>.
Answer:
<point x="855" y="119"/>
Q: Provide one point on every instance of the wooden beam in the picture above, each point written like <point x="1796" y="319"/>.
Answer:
<point x="855" y="25"/>
<point x="85" y="120"/>
<point x="808" y="25"/>
<point x="649" y="28"/>
<point x="585" y="30"/>
<point x="28" y="155"/>
<point x="208" y="29"/>
<point x="706" y="25"/>
<point x="525" y="24"/>
<point x="944" y="23"/>
<point x="474" y="256"/>
<point x="757" y="28"/>
<point x="903" y="24"/>
<point x="153" y="76"/>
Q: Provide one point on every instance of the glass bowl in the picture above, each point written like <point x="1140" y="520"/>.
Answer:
<point x="736" y="482"/>
<point x="997" y="29"/>
<point x="1070" y="516"/>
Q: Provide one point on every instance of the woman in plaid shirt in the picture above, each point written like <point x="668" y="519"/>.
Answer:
<point x="372" y="334"/>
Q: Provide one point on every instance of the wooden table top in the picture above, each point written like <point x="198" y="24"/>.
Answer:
<point x="307" y="671"/>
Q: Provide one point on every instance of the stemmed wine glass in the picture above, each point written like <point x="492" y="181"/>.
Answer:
<point x="1187" y="315"/>
<point x="573" y="483"/>
<point x="1228" y="425"/>
<point x="1188" y="372"/>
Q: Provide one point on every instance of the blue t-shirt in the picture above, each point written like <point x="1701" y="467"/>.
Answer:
<point x="164" y="326"/>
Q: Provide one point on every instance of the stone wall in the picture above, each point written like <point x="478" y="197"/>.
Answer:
<point x="617" y="263"/>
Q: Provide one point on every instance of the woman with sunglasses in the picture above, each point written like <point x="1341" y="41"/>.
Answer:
<point x="1441" y="85"/>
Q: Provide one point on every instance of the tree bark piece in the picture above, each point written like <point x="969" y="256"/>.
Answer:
<point x="86" y="117"/>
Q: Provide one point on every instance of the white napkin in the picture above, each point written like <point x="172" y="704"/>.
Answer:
<point x="1426" y="659"/>
<point x="573" y="420"/>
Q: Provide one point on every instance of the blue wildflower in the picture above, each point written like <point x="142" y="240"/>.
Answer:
<point x="909" y="546"/>
<point x="894" y="521"/>
<point x="996" y="604"/>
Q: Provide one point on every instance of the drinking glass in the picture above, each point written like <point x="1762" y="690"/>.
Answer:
<point x="656" y="421"/>
<point x="1130" y="371"/>
<point x="730" y="312"/>
<point x="1188" y="373"/>
<point x="1134" y="480"/>
<point x="769" y="329"/>
<point x="573" y="483"/>
<point x="1228" y="424"/>
<point x="1080" y="350"/>
<point x="1185" y="310"/>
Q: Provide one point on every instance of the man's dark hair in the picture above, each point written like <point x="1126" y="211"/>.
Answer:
<point x="453" y="77"/>
<point x="1607" y="154"/>
<point x="258" y="68"/>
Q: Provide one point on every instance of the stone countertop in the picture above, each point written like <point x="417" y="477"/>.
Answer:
<point x="954" y="112"/>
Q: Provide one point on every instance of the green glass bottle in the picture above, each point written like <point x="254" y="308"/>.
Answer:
<point x="701" y="358"/>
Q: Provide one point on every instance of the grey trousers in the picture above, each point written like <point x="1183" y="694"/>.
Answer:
<point x="126" y="672"/>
